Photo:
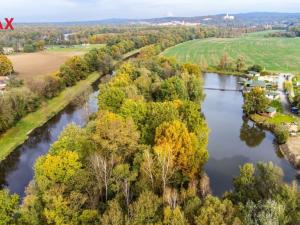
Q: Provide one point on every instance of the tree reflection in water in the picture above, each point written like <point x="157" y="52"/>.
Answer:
<point x="251" y="134"/>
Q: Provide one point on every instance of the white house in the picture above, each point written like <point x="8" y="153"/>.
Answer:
<point x="227" y="17"/>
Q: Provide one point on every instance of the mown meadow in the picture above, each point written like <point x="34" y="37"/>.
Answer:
<point x="276" y="54"/>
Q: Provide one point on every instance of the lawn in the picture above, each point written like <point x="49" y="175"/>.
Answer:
<point x="273" y="53"/>
<point x="17" y="135"/>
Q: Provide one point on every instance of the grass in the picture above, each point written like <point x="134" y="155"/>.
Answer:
<point x="17" y="135"/>
<point x="275" y="54"/>
<point x="73" y="48"/>
<point x="278" y="119"/>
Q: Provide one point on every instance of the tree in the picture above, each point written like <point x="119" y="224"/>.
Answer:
<point x="177" y="151"/>
<point x="240" y="63"/>
<point x="174" y="216"/>
<point x="269" y="212"/>
<point x="255" y="101"/>
<point x="9" y="206"/>
<point x="116" y="141"/>
<point x="113" y="214"/>
<point x="74" y="139"/>
<point x="111" y="98"/>
<point x="73" y="70"/>
<point x="192" y="69"/>
<point x="122" y="178"/>
<point x="92" y="60"/>
<point x="225" y="62"/>
<point x="215" y="211"/>
<point x="255" y="68"/>
<point x="61" y="168"/>
<point x="147" y="209"/>
<point x="157" y="113"/>
<point x="172" y="89"/>
<point x="6" y="67"/>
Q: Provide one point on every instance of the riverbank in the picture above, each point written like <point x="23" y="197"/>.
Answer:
<point x="18" y="134"/>
<point x="223" y="72"/>
<point x="290" y="149"/>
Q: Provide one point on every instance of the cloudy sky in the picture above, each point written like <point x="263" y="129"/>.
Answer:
<point x="80" y="10"/>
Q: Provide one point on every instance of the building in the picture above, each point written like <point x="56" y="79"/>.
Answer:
<point x="8" y="50"/>
<point x="252" y="74"/>
<point x="227" y="17"/>
<point x="272" y="95"/>
<point x="270" y="112"/>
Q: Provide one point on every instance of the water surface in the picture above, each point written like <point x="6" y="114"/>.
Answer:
<point x="16" y="171"/>
<point x="232" y="140"/>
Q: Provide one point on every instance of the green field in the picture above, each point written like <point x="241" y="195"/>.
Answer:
<point x="274" y="54"/>
<point x="73" y="48"/>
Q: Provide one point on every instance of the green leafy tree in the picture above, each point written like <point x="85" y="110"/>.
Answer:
<point x="111" y="98"/>
<point x="255" y="101"/>
<point x="215" y="211"/>
<point x="114" y="214"/>
<point x="61" y="168"/>
<point x="263" y="213"/>
<point x="172" y="89"/>
<point x="174" y="216"/>
<point x="147" y="209"/>
<point x="9" y="206"/>
<point x="74" y="69"/>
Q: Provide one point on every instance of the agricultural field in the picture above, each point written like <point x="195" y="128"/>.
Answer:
<point x="29" y="65"/>
<point x="276" y="54"/>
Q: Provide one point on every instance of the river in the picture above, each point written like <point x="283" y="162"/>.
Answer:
<point x="232" y="141"/>
<point x="16" y="171"/>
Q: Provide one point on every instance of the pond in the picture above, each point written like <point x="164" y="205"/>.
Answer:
<point x="234" y="141"/>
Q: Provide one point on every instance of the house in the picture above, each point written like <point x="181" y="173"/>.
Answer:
<point x="8" y="50"/>
<point x="270" y="112"/>
<point x="255" y="83"/>
<point x="252" y="74"/>
<point x="272" y="95"/>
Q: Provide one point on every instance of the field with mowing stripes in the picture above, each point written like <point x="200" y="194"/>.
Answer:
<point x="274" y="54"/>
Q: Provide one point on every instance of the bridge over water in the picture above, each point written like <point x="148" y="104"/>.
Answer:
<point x="221" y="89"/>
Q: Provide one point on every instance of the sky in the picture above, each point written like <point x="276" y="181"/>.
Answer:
<point x="84" y="10"/>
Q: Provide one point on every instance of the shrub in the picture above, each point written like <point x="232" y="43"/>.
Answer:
<point x="48" y="86"/>
<point x="281" y="134"/>
<point x="6" y="66"/>
<point x="256" y="68"/>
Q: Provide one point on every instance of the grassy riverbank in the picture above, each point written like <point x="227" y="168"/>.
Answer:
<point x="17" y="135"/>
